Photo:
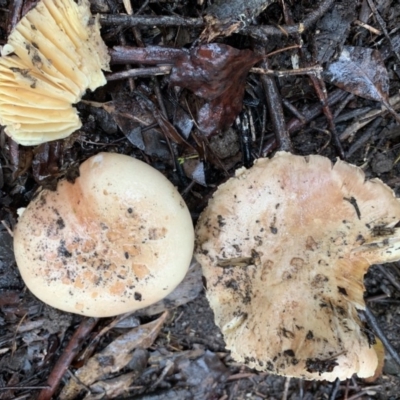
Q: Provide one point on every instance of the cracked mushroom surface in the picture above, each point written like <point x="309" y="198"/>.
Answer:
<point x="53" y="55"/>
<point x="118" y="239"/>
<point x="284" y="247"/>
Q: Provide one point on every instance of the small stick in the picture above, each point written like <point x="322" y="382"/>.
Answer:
<point x="335" y="389"/>
<point x="368" y="27"/>
<point x="320" y="88"/>
<point x="261" y="33"/>
<point x="290" y="72"/>
<point x="293" y="110"/>
<point x="8" y="229"/>
<point x="23" y="387"/>
<point x="286" y="388"/>
<point x="136" y="72"/>
<point x="128" y="21"/>
<point x="275" y="109"/>
<point x="344" y="103"/>
<point x="80" y="335"/>
<point x="378" y="332"/>
<point x="314" y="111"/>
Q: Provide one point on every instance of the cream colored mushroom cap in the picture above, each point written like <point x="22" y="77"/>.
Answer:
<point x="54" y="54"/>
<point x="284" y="247"/>
<point x="118" y="239"/>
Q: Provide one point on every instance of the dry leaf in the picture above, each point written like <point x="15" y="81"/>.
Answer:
<point x="361" y="71"/>
<point x="114" y="357"/>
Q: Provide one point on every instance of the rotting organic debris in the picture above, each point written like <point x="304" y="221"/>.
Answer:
<point x="284" y="247"/>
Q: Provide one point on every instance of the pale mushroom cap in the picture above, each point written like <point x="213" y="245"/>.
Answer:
<point x="284" y="247"/>
<point x="118" y="239"/>
<point x="54" y="54"/>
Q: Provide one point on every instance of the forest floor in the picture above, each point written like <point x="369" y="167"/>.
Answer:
<point x="170" y="117"/>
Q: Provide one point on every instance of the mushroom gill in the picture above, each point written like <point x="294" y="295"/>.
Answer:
<point x="53" y="55"/>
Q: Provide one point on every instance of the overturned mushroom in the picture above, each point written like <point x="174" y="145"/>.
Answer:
<point x="284" y="247"/>
<point x="118" y="239"/>
<point x="54" y="54"/>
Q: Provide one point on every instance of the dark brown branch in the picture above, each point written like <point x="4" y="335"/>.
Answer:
<point x="319" y="86"/>
<point x="151" y="55"/>
<point x="63" y="363"/>
<point x="274" y="102"/>
<point x="315" y="110"/>
<point x="127" y="21"/>
<point x="136" y="72"/>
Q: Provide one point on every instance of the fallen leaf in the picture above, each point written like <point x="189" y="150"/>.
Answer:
<point x="361" y="71"/>
<point x="216" y="73"/>
<point x="114" y="357"/>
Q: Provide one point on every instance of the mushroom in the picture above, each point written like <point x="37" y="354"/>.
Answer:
<point x="52" y="56"/>
<point x="116" y="240"/>
<point x="284" y="247"/>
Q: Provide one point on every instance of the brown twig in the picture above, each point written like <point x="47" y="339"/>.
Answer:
<point x="137" y="72"/>
<point x="151" y="55"/>
<point x="80" y="335"/>
<point x="319" y="86"/>
<point x="293" y="110"/>
<point x="368" y="27"/>
<point x="275" y="108"/>
<point x="128" y="21"/>
<point x="290" y="72"/>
